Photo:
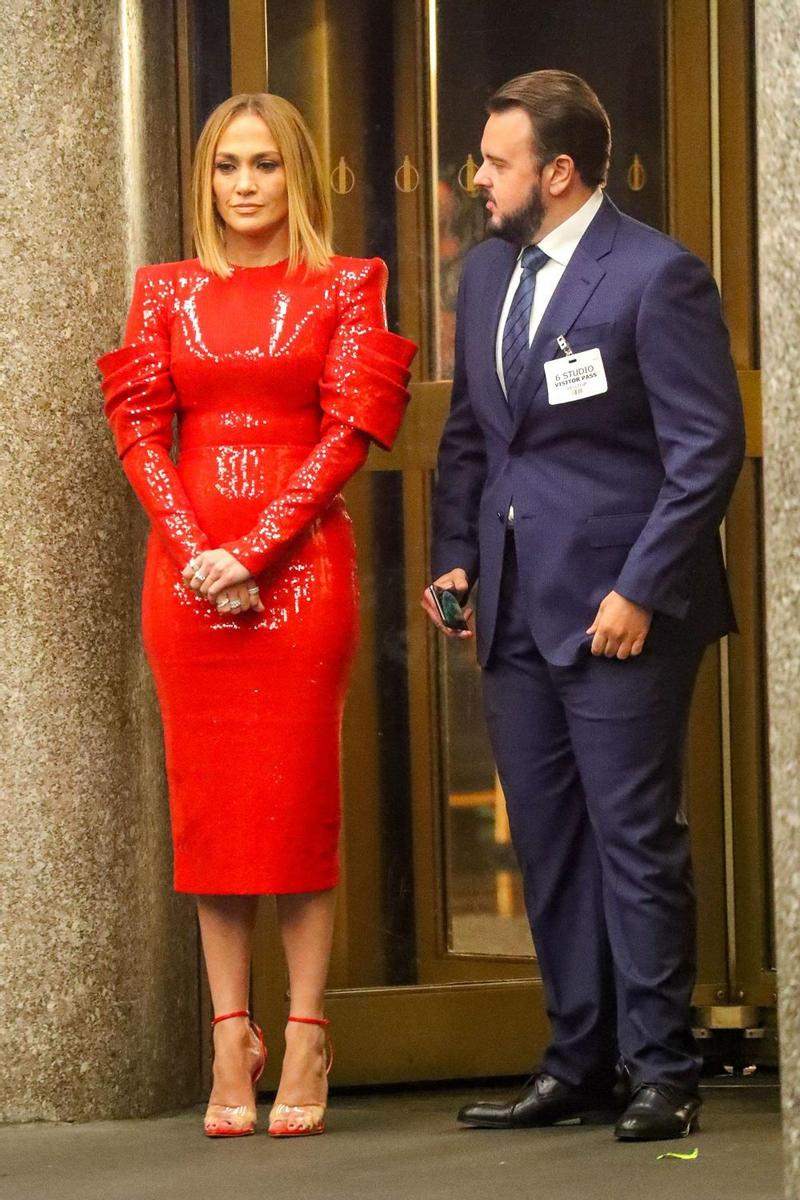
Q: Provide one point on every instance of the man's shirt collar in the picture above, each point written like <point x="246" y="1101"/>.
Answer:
<point x="560" y="244"/>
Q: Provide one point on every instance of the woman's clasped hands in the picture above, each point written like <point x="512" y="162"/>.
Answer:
<point x="223" y="581"/>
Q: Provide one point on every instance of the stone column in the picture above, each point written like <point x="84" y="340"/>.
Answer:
<point x="778" y="73"/>
<point x="98" y="959"/>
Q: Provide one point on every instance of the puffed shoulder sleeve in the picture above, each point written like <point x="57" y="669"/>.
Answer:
<point x="139" y="397"/>
<point x="140" y="403"/>
<point x="365" y="377"/>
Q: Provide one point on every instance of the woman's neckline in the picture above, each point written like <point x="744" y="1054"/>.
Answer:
<point x="281" y="262"/>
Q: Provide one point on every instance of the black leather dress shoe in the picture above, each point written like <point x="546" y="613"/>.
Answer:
<point x="657" y="1112"/>
<point x="542" y="1101"/>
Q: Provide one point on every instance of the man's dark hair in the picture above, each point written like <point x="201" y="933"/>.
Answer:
<point x="566" y="118"/>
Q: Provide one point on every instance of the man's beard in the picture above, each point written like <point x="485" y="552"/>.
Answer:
<point x="520" y="227"/>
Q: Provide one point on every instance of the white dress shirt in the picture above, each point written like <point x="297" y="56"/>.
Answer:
<point x="559" y="245"/>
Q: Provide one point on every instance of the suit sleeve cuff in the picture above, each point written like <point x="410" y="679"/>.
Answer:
<point x="451" y="556"/>
<point x="665" y="600"/>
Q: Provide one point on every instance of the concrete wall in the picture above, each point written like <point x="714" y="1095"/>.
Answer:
<point x="778" y="76"/>
<point x="98" y="975"/>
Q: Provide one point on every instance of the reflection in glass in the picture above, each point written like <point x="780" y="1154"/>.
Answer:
<point x="485" y="909"/>
<point x="375" y="942"/>
<point x="211" y="59"/>
<point x="461" y="225"/>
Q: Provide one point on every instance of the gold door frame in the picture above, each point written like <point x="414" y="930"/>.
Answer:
<point x="751" y="957"/>
<point x="714" y="215"/>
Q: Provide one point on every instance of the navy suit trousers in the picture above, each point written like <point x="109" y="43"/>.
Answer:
<point x="590" y="757"/>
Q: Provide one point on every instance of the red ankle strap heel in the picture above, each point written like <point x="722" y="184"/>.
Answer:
<point x="237" y="1120"/>
<point x="302" y="1120"/>
<point x="242" y="1012"/>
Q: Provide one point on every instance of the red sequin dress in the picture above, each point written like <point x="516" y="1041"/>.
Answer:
<point x="278" y="384"/>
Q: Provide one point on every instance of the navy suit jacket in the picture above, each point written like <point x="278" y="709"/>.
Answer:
<point x="622" y="491"/>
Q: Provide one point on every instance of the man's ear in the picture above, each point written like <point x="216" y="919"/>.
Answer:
<point x="559" y="175"/>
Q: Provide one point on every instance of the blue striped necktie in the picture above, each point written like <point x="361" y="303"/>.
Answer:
<point x="518" y="321"/>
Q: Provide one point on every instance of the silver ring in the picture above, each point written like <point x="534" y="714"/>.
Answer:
<point x="223" y="601"/>
<point x="235" y="603"/>
<point x="252" y="591"/>
<point x="199" y="576"/>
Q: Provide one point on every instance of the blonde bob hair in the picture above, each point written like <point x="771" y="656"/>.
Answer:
<point x="310" y="221"/>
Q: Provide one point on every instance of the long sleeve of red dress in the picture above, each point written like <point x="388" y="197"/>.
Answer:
<point x="363" y="397"/>
<point x="140" y="404"/>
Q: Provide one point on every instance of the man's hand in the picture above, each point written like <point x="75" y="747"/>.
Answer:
<point x="458" y="582"/>
<point x="620" y="627"/>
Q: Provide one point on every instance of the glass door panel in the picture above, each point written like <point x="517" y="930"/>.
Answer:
<point x="485" y="908"/>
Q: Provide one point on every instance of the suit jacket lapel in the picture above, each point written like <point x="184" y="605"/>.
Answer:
<point x="581" y="276"/>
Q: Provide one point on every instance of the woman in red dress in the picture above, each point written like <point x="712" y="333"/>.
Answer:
<point x="274" y="356"/>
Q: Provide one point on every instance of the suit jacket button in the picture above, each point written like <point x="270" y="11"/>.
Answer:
<point x="500" y="517"/>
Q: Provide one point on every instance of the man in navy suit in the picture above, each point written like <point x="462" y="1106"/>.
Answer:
<point x="594" y="439"/>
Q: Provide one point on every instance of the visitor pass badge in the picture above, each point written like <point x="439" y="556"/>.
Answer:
<point x="575" y="377"/>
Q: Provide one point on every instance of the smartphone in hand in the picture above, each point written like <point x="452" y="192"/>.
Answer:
<point x="448" y="608"/>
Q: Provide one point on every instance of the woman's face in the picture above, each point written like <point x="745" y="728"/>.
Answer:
<point x="249" y="179"/>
